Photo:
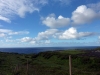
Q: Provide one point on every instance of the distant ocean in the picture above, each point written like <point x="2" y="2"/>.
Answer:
<point x="42" y="49"/>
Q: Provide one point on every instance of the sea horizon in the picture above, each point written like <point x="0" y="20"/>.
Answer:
<point x="29" y="50"/>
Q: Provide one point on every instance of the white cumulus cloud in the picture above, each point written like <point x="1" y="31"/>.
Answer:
<point x="72" y="33"/>
<point x="26" y="39"/>
<point x="46" y="34"/>
<point x="83" y="15"/>
<point x="52" y="22"/>
<point x="42" y="37"/>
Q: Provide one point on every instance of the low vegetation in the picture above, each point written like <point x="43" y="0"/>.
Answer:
<point x="50" y="63"/>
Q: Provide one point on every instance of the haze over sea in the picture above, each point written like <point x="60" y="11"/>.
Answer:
<point x="42" y="49"/>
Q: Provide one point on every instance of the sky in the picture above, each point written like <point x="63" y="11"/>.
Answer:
<point x="49" y="23"/>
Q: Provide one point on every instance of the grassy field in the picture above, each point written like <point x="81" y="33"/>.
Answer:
<point x="49" y="63"/>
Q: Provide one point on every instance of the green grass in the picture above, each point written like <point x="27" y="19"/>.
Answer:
<point x="48" y="63"/>
<point x="72" y="51"/>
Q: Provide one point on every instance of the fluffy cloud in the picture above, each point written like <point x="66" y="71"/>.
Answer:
<point x="52" y="22"/>
<point x="83" y="15"/>
<point x="72" y="33"/>
<point x="46" y="35"/>
<point x="7" y="32"/>
<point x="10" y="8"/>
<point x="34" y="40"/>
<point x="42" y="37"/>
<point x="26" y="39"/>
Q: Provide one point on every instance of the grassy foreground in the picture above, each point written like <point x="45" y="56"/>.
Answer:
<point x="50" y="63"/>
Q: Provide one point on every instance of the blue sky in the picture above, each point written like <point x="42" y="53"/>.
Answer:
<point x="49" y="23"/>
